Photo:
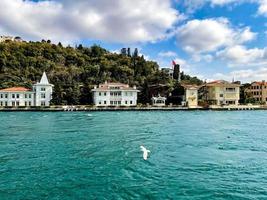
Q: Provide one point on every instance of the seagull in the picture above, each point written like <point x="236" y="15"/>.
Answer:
<point x="145" y="152"/>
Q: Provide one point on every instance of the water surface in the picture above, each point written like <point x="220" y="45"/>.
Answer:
<point x="195" y="155"/>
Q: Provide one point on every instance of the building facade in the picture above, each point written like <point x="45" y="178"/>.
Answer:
<point x="222" y="93"/>
<point x="257" y="91"/>
<point x="114" y="94"/>
<point x="40" y="95"/>
<point x="10" y="38"/>
<point x="191" y="95"/>
<point x="158" y="101"/>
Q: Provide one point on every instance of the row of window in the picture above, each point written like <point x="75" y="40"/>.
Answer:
<point x="17" y="103"/>
<point x="256" y="93"/>
<point x="115" y="102"/>
<point x="115" y="93"/>
<point x="258" y="87"/>
<point x="15" y="96"/>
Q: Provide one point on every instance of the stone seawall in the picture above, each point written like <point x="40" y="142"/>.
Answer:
<point x="148" y="108"/>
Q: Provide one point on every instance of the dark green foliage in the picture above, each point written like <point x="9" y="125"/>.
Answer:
<point x="176" y="72"/>
<point x="74" y="71"/>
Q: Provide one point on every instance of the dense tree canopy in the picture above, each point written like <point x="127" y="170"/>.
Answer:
<point x="74" y="71"/>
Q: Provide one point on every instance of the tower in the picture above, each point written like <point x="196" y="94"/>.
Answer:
<point x="176" y="72"/>
<point x="43" y="92"/>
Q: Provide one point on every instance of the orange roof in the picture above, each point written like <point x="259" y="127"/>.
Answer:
<point x="15" y="89"/>
<point x="259" y="83"/>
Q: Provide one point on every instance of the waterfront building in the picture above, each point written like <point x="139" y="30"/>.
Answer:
<point x="168" y="71"/>
<point x="40" y="95"/>
<point x="158" y="101"/>
<point x="257" y="91"/>
<point x="10" y="38"/>
<point x="221" y="92"/>
<point x="191" y="95"/>
<point x="114" y="94"/>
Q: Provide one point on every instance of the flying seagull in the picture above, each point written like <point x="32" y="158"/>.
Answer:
<point x="145" y="152"/>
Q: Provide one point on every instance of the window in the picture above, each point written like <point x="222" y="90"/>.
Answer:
<point x="1" y="96"/>
<point x="99" y="93"/>
<point x="221" y="95"/>
<point x="26" y="96"/>
<point x="131" y="102"/>
<point x="6" y="96"/>
<point x="126" y="102"/>
<point x="17" y="103"/>
<point x="30" y="96"/>
<point x="119" y="102"/>
<point x="105" y="102"/>
<point x="43" y="96"/>
<point x="105" y="94"/>
<point x="6" y="103"/>
<point x="13" y="96"/>
<point x="17" y="96"/>
<point x="111" y="102"/>
<point x="30" y="103"/>
<point x="42" y="103"/>
<point x="1" y="103"/>
<point x="99" y="102"/>
<point x="230" y="89"/>
<point x="25" y="103"/>
<point x="43" y="89"/>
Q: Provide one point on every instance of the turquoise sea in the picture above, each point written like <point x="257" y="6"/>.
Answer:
<point x="96" y="155"/>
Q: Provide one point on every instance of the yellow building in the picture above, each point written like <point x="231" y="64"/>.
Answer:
<point x="257" y="91"/>
<point x="191" y="95"/>
<point x="222" y="93"/>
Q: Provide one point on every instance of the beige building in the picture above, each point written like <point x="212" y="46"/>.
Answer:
<point x="191" y="95"/>
<point x="10" y="38"/>
<point x="257" y="91"/>
<point x="222" y="93"/>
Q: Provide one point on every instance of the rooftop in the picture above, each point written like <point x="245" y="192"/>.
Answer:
<point x="114" y="85"/>
<point x="259" y="83"/>
<point x="221" y="82"/>
<point x="15" y="89"/>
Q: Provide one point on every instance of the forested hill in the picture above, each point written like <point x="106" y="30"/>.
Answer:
<point x="74" y="71"/>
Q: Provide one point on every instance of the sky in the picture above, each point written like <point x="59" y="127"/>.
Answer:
<point x="211" y="39"/>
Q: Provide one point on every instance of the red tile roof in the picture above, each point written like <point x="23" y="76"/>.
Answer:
<point x="15" y="89"/>
<point x="259" y="83"/>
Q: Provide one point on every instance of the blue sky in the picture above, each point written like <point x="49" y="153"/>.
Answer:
<point x="212" y="39"/>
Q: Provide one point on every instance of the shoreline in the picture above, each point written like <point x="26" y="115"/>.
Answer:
<point x="110" y="109"/>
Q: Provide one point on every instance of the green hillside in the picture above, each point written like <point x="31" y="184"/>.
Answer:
<point x="74" y="71"/>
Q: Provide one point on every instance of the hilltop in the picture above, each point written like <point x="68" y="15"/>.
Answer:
<point x="74" y="70"/>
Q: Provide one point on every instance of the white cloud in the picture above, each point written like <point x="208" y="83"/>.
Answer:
<point x="262" y="7"/>
<point x="247" y="75"/>
<point x="241" y="56"/>
<point x="198" y="36"/>
<point x="123" y="21"/>
<point x="167" y="54"/>
<point x="223" y="2"/>
<point x="206" y="57"/>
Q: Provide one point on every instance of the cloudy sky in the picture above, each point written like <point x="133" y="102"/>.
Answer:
<point x="213" y="39"/>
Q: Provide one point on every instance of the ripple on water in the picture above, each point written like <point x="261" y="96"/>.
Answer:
<point x="194" y="155"/>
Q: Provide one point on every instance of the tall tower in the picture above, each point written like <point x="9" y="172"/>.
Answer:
<point x="176" y="72"/>
<point x="43" y="92"/>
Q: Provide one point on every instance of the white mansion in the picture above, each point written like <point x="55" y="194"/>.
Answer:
<point x="114" y="94"/>
<point x="20" y="96"/>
